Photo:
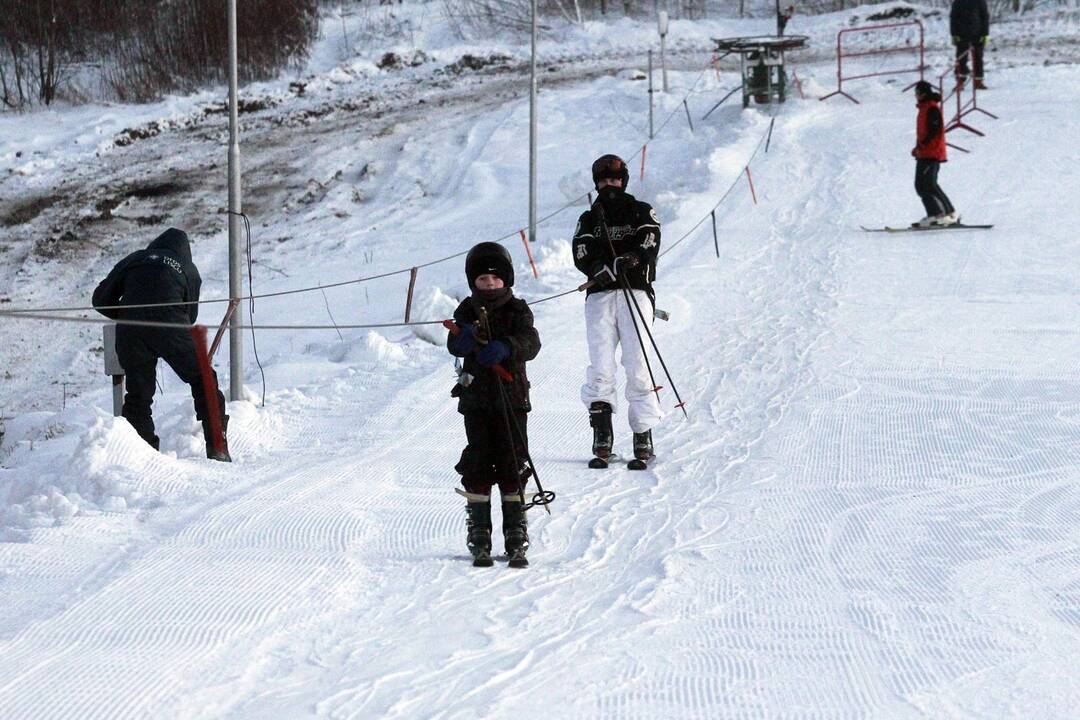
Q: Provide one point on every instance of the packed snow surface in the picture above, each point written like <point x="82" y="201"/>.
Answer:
<point x="872" y="510"/>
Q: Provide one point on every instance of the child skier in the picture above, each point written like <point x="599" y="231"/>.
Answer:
<point x="929" y="153"/>
<point x="495" y="337"/>
<point x="616" y="244"/>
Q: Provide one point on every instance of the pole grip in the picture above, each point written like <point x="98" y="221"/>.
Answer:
<point x="499" y="369"/>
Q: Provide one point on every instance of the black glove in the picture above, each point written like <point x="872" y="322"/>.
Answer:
<point x="603" y="277"/>
<point x="626" y="261"/>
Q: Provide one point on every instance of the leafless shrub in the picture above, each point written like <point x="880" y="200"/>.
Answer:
<point x="145" y="47"/>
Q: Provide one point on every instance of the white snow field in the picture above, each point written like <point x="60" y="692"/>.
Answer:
<point x="872" y="510"/>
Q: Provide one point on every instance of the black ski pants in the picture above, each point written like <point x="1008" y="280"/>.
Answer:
<point x="139" y="350"/>
<point x="489" y="458"/>
<point x="933" y="197"/>
<point x="976" y="47"/>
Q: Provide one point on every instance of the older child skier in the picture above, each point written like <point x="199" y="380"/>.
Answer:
<point x="616" y="244"/>
<point x="495" y="337"/>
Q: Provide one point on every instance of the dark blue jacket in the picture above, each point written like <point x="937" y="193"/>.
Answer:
<point x="969" y="19"/>
<point x="162" y="273"/>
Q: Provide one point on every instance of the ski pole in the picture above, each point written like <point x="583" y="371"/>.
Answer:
<point x="542" y="497"/>
<point x="619" y="278"/>
<point x="641" y="342"/>
<point x="681" y="405"/>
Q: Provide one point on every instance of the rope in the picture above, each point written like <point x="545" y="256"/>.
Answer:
<point x="44" y="314"/>
<point x="251" y="296"/>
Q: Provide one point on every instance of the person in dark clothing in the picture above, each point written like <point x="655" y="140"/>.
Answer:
<point x="495" y="331"/>
<point x="617" y="241"/>
<point x="163" y="273"/>
<point x="929" y="152"/>
<point x="969" y="24"/>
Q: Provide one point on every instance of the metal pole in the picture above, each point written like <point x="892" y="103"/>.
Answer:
<point x="663" y="63"/>
<point x="650" y="97"/>
<point x="236" y="339"/>
<point x="532" y="131"/>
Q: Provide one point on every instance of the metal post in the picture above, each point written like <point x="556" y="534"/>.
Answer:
<point x="532" y="130"/>
<point x="113" y="367"/>
<point x="650" y="97"/>
<point x="662" y="20"/>
<point x="118" y="395"/>
<point x="236" y="340"/>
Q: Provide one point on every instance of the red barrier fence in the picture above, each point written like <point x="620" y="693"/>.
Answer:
<point x="963" y="107"/>
<point x="906" y="48"/>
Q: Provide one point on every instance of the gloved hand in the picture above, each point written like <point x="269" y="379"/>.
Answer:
<point x="465" y="341"/>
<point x="603" y="276"/>
<point x="984" y="39"/>
<point x="956" y="40"/>
<point x="913" y="151"/>
<point x="494" y="352"/>
<point x="626" y="261"/>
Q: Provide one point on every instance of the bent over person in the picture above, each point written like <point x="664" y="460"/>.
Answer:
<point x="162" y="276"/>
<point x="616" y="244"/>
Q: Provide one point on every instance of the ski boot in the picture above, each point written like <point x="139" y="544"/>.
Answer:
<point x="515" y="530"/>
<point x="478" y="526"/>
<point x="603" y="437"/>
<point x="208" y="435"/>
<point x="643" y="451"/>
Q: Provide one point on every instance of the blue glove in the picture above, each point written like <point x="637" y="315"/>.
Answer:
<point x="494" y="352"/>
<point x="465" y="341"/>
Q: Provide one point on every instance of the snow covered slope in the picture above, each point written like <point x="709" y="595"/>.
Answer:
<point x="872" y="510"/>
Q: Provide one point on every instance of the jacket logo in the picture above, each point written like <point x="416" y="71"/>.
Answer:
<point x="581" y="251"/>
<point x="652" y="214"/>
<point x="175" y="265"/>
<point x="650" y="241"/>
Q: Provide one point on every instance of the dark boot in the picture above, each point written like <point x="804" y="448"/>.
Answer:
<point x="478" y="527"/>
<point x="643" y="447"/>
<point x="515" y="530"/>
<point x="603" y="437"/>
<point x="208" y="436"/>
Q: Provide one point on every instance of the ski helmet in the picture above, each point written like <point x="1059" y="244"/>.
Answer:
<point x="489" y="257"/>
<point x="610" y="166"/>
<point x="923" y="88"/>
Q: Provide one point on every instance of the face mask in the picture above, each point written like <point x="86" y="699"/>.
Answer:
<point x="610" y="193"/>
<point x="492" y="298"/>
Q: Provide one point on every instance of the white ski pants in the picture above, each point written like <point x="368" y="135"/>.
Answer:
<point x="609" y="322"/>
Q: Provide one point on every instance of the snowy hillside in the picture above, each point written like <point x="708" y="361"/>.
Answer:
<point x="872" y="510"/>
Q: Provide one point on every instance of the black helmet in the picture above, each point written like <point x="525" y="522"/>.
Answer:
<point x="610" y="166"/>
<point x="923" y="88"/>
<point x="489" y="257"/>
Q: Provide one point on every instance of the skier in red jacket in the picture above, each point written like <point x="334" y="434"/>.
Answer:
<point x="929" y="153"/>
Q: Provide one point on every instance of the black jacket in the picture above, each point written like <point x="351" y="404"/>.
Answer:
<point x="969" y="19"/>
<point x="162" y="273"/>
<point x="627" y="225"/>
<point x="513" y="324"/>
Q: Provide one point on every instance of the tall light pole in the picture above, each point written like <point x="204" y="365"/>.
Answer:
<point x="236" y="338"/>
<point x="532" y="132"/>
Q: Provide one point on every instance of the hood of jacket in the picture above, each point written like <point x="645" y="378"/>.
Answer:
<point x="176" y="241"/>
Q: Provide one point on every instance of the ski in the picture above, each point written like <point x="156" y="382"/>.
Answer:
<point x="956" y="226"/>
